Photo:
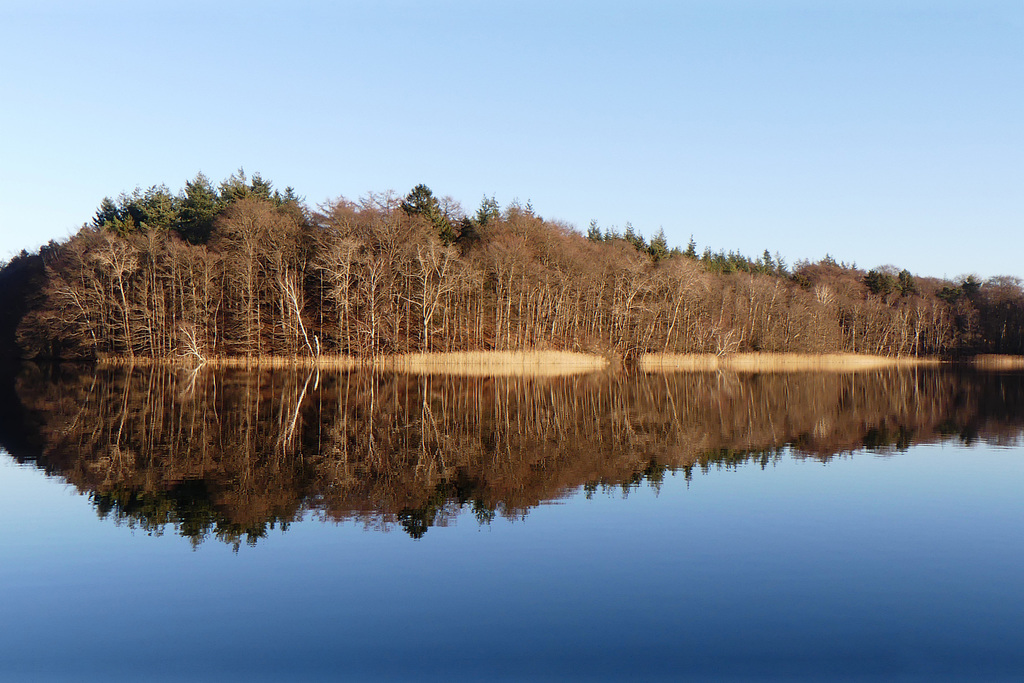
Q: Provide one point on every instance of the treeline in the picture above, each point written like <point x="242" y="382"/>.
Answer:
<point x="233" y="453"/>
<point x="243" y="270"/>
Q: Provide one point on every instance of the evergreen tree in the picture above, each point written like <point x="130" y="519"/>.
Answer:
<point x="233" y="188"/>
<point x="634" y="238"/>
<point x="906" y="283"/>
<point x="658" y="248"/>
<point x="468" y="235"/>
<point x="780" y="265"/>
<point x="970" y="286"/>
<point x="107" y="213"/>
<point x="198" y="207"/>
<point x="880" y="282"/>
<point x="263" y="189"/>
<point x="488" y="211"/>
<point x="157" y="209"/>
<point x="691" y="249"/>
<point x="422" y="202"/>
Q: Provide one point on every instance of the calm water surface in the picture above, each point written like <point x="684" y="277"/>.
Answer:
<point x="233" y="526"/>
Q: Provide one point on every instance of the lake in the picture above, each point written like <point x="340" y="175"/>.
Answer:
<point x="163" y="524"/>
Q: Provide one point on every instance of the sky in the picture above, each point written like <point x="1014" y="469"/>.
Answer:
<point x="879" y="132"/>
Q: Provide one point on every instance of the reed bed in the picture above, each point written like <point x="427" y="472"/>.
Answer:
<point x="775" y="362"/>
<point x="998" y="362"/>
<point x="495" y="363"/>
<point x="468" y="363"/>
<point x="335" y="362"/>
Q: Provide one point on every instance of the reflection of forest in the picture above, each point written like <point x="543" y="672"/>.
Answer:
<point x="234" y="453"/>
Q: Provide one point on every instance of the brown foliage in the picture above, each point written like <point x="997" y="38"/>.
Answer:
<point x="367" y="279"/>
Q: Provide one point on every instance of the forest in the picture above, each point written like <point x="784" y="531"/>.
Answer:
<point x="243" y="270"/>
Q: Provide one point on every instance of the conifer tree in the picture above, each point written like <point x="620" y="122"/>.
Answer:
<point x="658" y="248"/>
<point x="198" y="208"/>
<point x="422" y="202"/>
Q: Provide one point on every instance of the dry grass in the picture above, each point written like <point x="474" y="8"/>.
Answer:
<point x="325" y="361"/>
<point x="494" y="363"/>
<point x="468" y="363"/>
<point x="774" y="362"/>
<point x="997" y="362"/>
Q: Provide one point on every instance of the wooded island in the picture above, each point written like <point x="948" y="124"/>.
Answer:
<point x="243" y="271"/>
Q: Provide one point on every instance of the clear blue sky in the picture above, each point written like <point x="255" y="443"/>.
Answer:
<point x="880" y="132"/>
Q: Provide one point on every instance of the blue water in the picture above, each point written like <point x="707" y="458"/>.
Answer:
<point x="897" y="567"/>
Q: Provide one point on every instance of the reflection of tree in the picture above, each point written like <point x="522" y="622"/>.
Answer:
<point x="231" y="454"/>
<point x="187" y="506"/>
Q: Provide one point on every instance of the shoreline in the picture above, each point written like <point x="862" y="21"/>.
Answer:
<point x="555" y="363"/>
<point x="468" y="363"/>
<point x="779" y="362"/>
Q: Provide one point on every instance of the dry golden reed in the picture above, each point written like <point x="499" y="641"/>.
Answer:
<point x="495" y="363"/>
<point x="466" y="363"/>
<point x="325" y="361"/>
<point x="998" y="362"/>
<point x="775" y="362"/>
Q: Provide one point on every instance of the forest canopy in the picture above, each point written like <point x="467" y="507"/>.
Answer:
<point x="240" y="269"/>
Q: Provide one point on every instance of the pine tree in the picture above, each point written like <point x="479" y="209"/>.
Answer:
<point x="691" y="249"/>
<point x="634" y="238"/>
<point x="422" y="202"/>
<point x="107" y="213"/>
<point x="488" y="211"/>
<point x="198" y="207"/>
<point x="658" y="249"/>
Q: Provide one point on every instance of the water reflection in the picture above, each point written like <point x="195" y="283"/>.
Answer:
<point x="231" y="454"/>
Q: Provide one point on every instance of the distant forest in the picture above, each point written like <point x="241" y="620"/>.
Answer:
<point x="242" y="270"/>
